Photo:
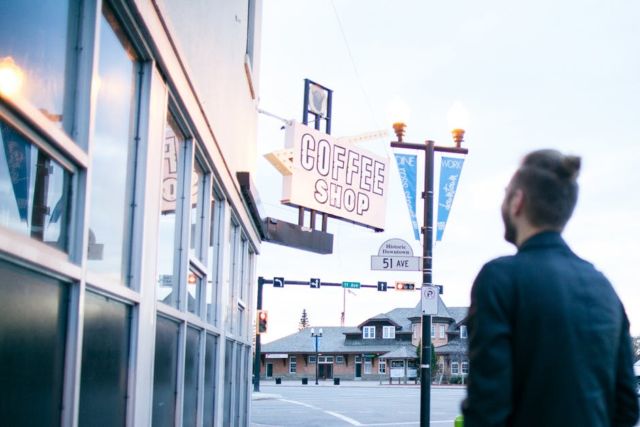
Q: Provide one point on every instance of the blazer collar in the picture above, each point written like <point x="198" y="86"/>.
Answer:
<point x="543" y="239"/>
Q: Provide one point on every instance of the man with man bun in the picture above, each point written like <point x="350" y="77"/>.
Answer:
<point x="549" y="340"/>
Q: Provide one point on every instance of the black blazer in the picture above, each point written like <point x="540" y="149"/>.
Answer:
<point x="549" y="343"/>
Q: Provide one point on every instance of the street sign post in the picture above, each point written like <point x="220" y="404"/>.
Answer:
<point x="396" y="263"/>
<point x="395" y="255"/>
<point x="351" y="285"/>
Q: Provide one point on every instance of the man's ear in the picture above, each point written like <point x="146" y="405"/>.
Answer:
<point x="517" y="202"/>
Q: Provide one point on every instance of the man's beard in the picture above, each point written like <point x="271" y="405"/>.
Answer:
<point x="510" y="232"/>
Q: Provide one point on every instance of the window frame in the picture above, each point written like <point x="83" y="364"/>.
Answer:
<point x="382" y="366"/>
<point x="388" y="332"/>
<point x="455" y="366"/>
<point x="293" y="364"/>
<point x="464" y="366"/>
<point x="463" y="332"/>
<point x="368" y="332"/>
<point x="443" y="331"/>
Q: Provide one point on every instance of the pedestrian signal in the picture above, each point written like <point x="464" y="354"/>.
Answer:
<point x="261" y="323"/>
<point x="403" y="286"/>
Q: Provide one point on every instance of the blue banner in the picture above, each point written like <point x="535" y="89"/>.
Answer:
<point x="450" y="168"/>
<point x="408" y="168"/>
<point x="17" y="154"/>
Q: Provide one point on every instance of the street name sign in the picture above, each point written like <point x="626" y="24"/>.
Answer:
<point x="395" y="255"/>
<point x="429" y="300"/>
<point x="351" y="285"/>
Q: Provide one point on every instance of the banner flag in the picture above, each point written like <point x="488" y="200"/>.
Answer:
<point x="17" y="154"/>
<point x="450" y="168"/>
<point x="408" y="168"/>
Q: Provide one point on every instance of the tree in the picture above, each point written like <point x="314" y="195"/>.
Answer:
<point x="304" y="320"/>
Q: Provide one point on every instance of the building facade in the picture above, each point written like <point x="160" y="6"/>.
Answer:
<point x="383" y="347"/>
<point x="127" y="240"/>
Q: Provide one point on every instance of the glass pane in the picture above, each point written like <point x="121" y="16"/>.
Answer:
<point x="238" y="386"/>
<point x="173" y="148"/>
<point x="34" y="190"/>
<point x="194" y="292"/>
<point x="35" y="45"/>
<point x="228" y="382"/>
<point x="105" y="362"/>
<point x="210" y="380"/>
<point x="197" y="197"/>
<point x="165" y="378"/>
<point x="214" y="257"/>
<point x="33" y="315"/>
<point x="234" y="261"/>
<point x="190" y="407"/>
<point x="111" y="150"/>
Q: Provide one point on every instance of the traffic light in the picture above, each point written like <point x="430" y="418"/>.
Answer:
<point x="261" y="322"/>
<point x="404" y="286"/>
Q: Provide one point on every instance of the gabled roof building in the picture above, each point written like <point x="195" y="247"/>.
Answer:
<point x="383" y="347"/>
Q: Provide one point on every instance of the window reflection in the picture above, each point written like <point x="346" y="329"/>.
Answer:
<point x="214" y="256"/>
<point x="36" y="35"/>
<point x="173" y="148"/>
<point x="34" y="190"/>
<point x="197" y="202"/>
<point x="194" y="292"/>
<point x="111" y="152"/>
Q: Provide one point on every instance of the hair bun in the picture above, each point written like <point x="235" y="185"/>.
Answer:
<point x="570" y="167"/>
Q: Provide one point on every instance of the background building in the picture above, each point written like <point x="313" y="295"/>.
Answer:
<point x="382" y="347"/>
<point x="127" y="241"/>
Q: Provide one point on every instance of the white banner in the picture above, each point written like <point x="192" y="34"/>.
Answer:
<point x="339" y="179"/>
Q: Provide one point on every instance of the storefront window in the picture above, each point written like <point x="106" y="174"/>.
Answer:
<point x="111" y="153"/>
<point x="173" y="154"/>
<point x="105" y="361"/>
<point x="35" y="44"/>
<point x="34" y="190"/>
<point x="33" y="315"/>
<point x="197" y="202"/>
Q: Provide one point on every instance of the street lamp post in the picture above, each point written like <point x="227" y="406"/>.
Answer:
<point x="316" y="336"/>
<point x="429" y="148"/>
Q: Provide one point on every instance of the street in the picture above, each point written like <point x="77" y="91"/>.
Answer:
<point x="351" y="405"/>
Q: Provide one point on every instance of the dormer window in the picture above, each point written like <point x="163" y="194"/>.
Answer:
<point x="389" y="332"/>
<point x="368" y="332"/>
<point x="463" y="331"/>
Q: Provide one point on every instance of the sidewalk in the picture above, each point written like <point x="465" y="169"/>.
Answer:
<point x="261" y="395"/>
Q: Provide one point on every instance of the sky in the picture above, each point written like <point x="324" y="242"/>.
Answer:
<point x="544" y="74"/>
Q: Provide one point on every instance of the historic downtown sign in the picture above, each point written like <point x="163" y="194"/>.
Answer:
<point x="339" y="179"/>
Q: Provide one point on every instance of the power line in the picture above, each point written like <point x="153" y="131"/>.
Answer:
<point x="353" y="64"/>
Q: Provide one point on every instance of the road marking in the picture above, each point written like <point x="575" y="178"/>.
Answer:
<point x="344" y="418"/>
<point x="299" y="403"/>
<point x="357" y="423"/>
<point x="406" y="423"/>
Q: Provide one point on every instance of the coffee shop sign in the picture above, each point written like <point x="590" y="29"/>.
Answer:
<point x="340" y="179"/>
